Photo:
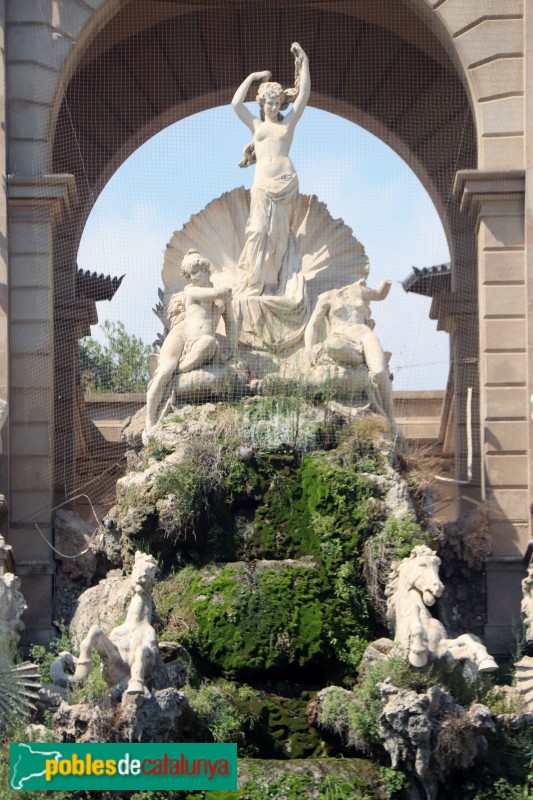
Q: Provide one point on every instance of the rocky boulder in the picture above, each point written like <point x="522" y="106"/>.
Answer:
<point x="166" y="716"/>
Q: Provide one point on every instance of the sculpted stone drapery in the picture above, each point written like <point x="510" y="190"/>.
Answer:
<point x="275" y="185"/>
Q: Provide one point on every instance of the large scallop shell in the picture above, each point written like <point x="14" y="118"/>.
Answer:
<point x="331" y="255"/>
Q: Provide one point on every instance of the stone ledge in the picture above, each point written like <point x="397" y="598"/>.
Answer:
<point x="57" y="191"/>
<point x="472" y="186"/>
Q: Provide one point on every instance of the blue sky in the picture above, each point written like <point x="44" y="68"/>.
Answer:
<point x="177" y="172"/>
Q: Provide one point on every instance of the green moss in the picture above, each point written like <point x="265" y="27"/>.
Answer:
<point x="250" y="619"/>
<point x="306" y="502"/>
<point x="261" y="619"/>
<point x="281" y="729"/>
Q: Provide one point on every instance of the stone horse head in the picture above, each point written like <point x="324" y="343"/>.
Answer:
<point x="143" y="574"/>
<point x="416" y="576"/>
<point x="413" y="587"/>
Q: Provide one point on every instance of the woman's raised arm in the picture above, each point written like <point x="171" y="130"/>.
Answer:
<point x="304" y="82"/>
<point x="240" y="96"/>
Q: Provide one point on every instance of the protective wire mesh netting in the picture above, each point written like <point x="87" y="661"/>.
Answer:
<point x="143" y="122"/>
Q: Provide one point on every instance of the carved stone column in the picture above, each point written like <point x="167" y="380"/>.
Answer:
<point x="35" y="206"/>
<point x="505" y="384"/>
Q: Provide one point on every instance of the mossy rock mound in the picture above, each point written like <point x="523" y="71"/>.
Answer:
<point x="257" y="617"/>
<point x="281" y="729"/>
<point x="193" y="493"/>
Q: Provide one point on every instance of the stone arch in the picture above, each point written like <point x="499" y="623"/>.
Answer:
<point x="386" y="68"/>
<point x="387" y="71"/>
<point x="441" y="81"/>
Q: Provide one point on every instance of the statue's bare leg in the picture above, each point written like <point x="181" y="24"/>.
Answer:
<point x="169" y="357"/>
<point x="115" y="668"/>
<point x="379" y="372"/>
<point x="142" y="666"/>
<point x="156" y="389"/>
<point x="343" y="351"/>
<point x="199" y="352"/>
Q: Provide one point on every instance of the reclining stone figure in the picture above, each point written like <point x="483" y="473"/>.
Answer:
<point x="130" y="653"/>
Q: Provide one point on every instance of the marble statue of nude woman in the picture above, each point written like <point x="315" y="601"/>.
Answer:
<point x="192" y="340"/>
<point x="275" y="185"/>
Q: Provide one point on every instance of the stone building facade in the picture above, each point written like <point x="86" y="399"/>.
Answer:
<point x="443" y="82"/>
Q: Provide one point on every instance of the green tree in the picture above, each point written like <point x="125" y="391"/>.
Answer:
<point x="118" y="365"/>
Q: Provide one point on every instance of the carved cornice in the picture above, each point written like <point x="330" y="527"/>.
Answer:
<point x="472" y="187"/>
<point x="41" y="194"/>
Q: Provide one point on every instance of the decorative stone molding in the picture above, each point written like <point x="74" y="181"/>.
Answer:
<point x="53" y="193"/>
<point x="472" y="187"/>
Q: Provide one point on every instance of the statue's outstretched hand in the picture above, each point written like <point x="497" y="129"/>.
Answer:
<point x="297" y="50"/>
<point x="262" y="76"/>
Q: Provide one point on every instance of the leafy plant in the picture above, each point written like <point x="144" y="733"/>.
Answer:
<point x="395" y="781"/>
<point x="93" y="689"/>
<point x="118" y="365"/>
<point x="393" y="542"/>
<point x="44" y="656"/>
<point x="220" y="707"/>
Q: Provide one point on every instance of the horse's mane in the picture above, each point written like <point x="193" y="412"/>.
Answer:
<point x="396" y="575"/>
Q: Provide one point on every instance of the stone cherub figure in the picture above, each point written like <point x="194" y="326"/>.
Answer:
<point x="130" y="654"/>
<point x="192" y="340"/>
<point x="350" y="339"/>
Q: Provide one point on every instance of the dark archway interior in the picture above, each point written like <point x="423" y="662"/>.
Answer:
<point x="374" y="61"/>
<point x="377" y="63"/>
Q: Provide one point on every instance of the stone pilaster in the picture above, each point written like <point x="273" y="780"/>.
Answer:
<point x="505" y="382"/>
<point x="35" y="206"/>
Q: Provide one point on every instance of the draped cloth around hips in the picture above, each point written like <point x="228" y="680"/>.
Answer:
<point x="270" y="303"/>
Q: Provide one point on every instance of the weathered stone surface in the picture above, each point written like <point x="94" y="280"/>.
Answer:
<point x="73" y="537"/>
<point x="97" y="552"/>
<point x="105" y="604"/>
<point x="164" y="717"/>
<point x="463" y="546"/>
<point x="40" y="733"/>
<point x="12" y="607"/>
<point x="397" y="498"/>
<point x="428" y="735"/>
<point x="133" y="427"/>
